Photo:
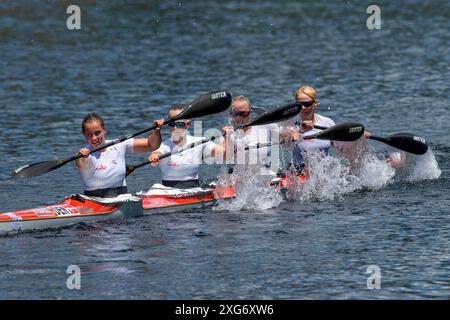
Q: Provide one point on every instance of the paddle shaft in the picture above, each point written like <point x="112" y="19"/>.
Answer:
<point x="384" y="140"/>
<point x="371" y="137"/>
<point x="379" y="139"/>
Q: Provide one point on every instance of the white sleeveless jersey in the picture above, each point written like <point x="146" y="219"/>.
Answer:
<point x="106" y="169"/>
<point x="313" y="144"/>
<point x="186" y="164"/>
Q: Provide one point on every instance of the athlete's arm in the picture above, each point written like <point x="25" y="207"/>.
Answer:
<point x="218" y="150"/>
<point x="227" y="144"/>
<point x="152" y="143"/>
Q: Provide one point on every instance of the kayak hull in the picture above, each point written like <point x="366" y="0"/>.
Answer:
<point x="72" y="210"/>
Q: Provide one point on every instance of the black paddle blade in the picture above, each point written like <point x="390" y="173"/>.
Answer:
<point x="207" y="104"/>
<point x="348" y="131"/>
<point x="38" y="168"/>
<point x="407" y="142"/>
<point x="279" y="114"/>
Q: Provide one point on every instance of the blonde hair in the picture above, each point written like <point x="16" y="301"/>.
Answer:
<point x="308" y="90"/>
<point x="242" y="98"/>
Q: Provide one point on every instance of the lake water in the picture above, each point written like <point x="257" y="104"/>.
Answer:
<point x="133" y="59"/>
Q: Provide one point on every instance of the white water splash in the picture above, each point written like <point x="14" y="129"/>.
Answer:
<point x="331" y="177"/>
<point x="375" y="173"/>
<point x="417" y="168"/>
<point x="328" y="178"/>
<point x="253" y="192"/>
<point x="357" y="167"/>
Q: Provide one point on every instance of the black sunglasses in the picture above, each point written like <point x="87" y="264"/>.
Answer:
<point x="240" y="113"/>
<point x="178" y="124"/>
<point x="306" y="104"/>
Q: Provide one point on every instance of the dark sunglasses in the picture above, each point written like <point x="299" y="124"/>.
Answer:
<point x="178" y="124"/>
<point x="306" y="104"/>
<point x="240" y="113"/>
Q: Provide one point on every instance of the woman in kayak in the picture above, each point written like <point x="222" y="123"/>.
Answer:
<point x="251" y="137"/>
<point x="353" y="151"/>
<point x="103" y="172"/>
<point x="306" y="120"/>
<point x="181" y="169"/>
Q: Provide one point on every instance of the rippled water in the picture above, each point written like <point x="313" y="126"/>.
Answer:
<point x="133" y="59"/>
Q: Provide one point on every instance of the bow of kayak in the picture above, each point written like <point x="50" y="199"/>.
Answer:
<point x="72" y="210"/>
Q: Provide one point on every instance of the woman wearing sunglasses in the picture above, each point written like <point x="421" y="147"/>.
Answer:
<point x="307" y="118"/>
<point x="241" y="112"/>
<point x="181" y="170"/>
<point x="103" y="172"/>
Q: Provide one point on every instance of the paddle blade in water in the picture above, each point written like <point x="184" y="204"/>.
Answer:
<point x="279" y="114"/>
<point x="38" y="168"/>
<point x="207" y="104"/>
<point x="407" y="142"/>
<point x="349" y="131"/>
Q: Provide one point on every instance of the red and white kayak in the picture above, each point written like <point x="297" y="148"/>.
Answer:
<point x="159" y="199"/>
<point x="80" y="208"/>
<point x="72" y="210"/>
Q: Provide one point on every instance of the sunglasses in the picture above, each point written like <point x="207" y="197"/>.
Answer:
<point x="306" y="104"/>
<point x="178" y="124"/>
<point x="240" y="113"/>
